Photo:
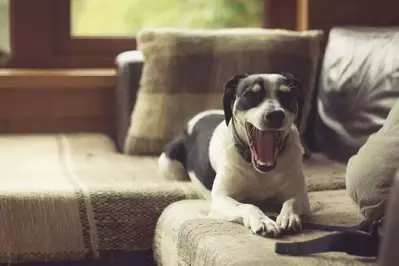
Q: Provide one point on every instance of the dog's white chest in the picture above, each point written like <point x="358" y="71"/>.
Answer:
<point x="240" y="180"/>
<point x="261" y="186"/>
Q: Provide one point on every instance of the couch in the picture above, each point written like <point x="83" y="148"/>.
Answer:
<point x="81" y="199"/>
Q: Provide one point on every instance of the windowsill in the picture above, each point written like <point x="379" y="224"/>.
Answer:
<point x="63" y="78"/>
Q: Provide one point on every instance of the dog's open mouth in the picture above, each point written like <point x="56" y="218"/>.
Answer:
<point x="265" y="146"/>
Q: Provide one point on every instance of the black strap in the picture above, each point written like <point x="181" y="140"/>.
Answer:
<point x="360" y="240"/>
<point x="352" y="243"/>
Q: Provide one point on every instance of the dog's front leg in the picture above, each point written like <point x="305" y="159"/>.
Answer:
<point x="250" y="216"/>
<point x="293" y="208"/>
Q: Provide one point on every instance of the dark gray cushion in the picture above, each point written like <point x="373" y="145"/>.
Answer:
<point x="358" y="85"/>
<point x="129" y="66"/>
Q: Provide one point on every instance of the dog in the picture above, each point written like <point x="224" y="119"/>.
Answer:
<point x="249" y="151"/>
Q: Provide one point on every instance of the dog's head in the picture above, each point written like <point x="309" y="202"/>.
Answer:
<point x="264" y="107"/>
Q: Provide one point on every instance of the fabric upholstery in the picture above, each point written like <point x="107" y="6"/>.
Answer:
<point x="358" y="85"/>
<point x="72" y="197"/>
<point x="185" y="236"/>
<point x="185" y="71"/>
<point x="129" y="66"/>
<point x="389" y="255"/>
<point x="370" y="172"/>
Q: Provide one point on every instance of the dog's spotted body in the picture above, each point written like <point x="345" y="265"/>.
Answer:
<point x="250" y="151"/>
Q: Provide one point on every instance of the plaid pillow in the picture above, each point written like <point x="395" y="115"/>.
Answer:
<point x="185" y="71"/>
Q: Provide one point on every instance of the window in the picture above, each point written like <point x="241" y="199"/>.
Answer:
<point x="4" y="29"/>
<point x="99" y="18"/>
<point x="90" y="33"/>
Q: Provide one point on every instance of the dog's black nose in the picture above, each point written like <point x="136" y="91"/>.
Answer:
<point x="275" y="118"/>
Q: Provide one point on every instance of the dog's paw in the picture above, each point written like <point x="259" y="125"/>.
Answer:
<point x="289" y="222"/>
<point x="262" y="226"/>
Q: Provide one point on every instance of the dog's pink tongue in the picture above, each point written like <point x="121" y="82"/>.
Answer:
<point x="266" y="147"/>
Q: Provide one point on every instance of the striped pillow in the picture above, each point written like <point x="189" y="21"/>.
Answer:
<point x="185" y="70"/>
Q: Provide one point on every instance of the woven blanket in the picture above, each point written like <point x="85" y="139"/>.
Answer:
<point x="72" y="197"/>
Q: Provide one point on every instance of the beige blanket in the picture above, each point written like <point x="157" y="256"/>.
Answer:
<point x="73" y="197"/>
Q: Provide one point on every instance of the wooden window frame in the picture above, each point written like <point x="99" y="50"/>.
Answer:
<point x="41" y="38"/>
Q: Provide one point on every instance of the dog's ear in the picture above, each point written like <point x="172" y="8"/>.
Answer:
<point x="295" y="83"/>
<point x="229" y="95"/>
<point x="287" y="75"/>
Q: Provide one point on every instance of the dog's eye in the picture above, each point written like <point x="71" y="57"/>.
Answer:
<point x="250" y="98"/>
<point x="250" y="93"/>
<point x="288" y="99"/>
<point x="255" y="92"/>
<point x="254" y="96"/>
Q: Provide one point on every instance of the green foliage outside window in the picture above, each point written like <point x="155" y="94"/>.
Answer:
<point x="126" y="17"/>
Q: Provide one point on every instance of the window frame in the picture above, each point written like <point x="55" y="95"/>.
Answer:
<point x="41" y="38"/>
<point x="66" y="43"/>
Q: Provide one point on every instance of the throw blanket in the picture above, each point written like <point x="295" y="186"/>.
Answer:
<point x="75" y="198"/>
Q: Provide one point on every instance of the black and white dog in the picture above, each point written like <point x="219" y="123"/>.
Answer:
<point x="250" y="151"/>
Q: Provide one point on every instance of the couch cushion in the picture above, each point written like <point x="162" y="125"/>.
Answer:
<point x="71" y="197"/>
<point x="323" y="173"/>
<point x="185" y="236"/>
<point x="185" y="72"/>
<point x="371" y="171"/>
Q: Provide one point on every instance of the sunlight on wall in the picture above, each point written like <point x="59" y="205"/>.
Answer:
<point x="126" y="17"/>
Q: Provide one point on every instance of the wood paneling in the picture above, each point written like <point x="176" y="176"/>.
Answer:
<point x="330" y="13"/>
<point x="57" y="101"/>
<point x="280" y="14"/>
<point x="327" y="14"/>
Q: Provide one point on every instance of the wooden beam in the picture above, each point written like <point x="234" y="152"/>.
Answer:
<point x="63" y="78"/>
<point x="302" y="15"/>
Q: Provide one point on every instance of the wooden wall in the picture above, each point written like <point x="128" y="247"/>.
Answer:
<point x="44" y="101"/>
<point x="325" y="14"/>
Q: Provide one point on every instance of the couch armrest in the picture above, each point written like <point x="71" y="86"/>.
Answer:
<point x="390" y="240"/>
<point x="129" y="65"/>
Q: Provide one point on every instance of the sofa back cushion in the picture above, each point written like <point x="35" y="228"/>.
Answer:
<point x="358" y="85"/>
<point x="185" y="71"/>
